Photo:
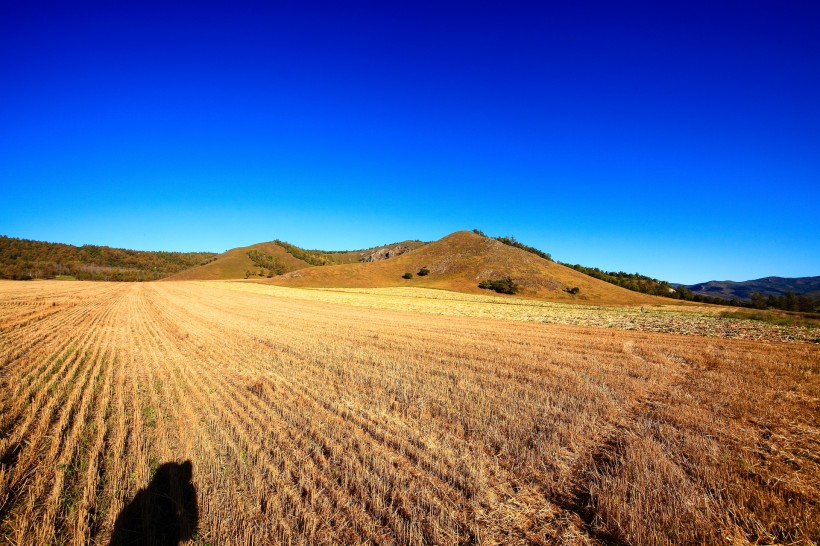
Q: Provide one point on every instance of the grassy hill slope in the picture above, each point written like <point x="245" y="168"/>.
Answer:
<point x="234" y="264"/>
<point x="459" y="262"/>
<point x="375" y="253"/>
<point x="324" y="257"/>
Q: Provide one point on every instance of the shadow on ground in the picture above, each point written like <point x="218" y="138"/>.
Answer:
<point x="162" y="514"/>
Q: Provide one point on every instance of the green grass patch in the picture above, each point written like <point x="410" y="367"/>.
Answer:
<point x="149" y="416"/>
<point x="778" y="318"/>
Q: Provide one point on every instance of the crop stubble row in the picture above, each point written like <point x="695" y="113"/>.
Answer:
<point x="311" y="423"/>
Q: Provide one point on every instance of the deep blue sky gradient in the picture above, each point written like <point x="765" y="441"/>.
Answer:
<point x="680" y="140"/>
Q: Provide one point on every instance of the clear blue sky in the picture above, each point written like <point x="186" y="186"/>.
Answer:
<point x="677" y="139"/>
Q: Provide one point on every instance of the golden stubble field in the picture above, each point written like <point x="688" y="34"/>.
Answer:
<point x="239" y="414"/>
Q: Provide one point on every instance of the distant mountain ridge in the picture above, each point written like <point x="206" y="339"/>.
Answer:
<point x="767" y="286"/>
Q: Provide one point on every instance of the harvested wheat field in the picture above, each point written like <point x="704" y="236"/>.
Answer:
<point x="261" y="415"/>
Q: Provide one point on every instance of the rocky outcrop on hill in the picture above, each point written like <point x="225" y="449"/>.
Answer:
<point x="385" y="253"/>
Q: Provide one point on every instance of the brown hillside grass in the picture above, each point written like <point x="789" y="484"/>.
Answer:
<point x="704" y="320"/>
<point x="234" y="263"/>
<point x="459" y="262"/>
<point x="308" y="422"/>
<point x="354" y="256"/>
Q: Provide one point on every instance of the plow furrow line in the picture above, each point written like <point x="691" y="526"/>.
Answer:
<point x="249" y="433"/>
<point x="40" y="523"/>
<point x="31" y="438"/>
<point x="40" y="390"/>
<point x="296" y="422"/>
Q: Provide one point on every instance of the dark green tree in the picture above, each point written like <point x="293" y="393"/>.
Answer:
<point x="790" y="302"/>
<point x="758" y="300"/>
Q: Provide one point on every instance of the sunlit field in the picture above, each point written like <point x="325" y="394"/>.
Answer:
<point x="692" y="319"/>
<point x="238" y="413"/>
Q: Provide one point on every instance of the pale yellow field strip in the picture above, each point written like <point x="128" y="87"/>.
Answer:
<point x="698" y="321"/>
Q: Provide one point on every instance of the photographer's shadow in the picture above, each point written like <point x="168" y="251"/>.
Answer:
<point x="162" y="514"/>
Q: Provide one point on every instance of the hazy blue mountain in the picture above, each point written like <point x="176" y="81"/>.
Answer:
<point x="774" y="286"/>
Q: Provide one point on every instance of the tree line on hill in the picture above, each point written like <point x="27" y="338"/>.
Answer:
<point x="512" y="241"/>
<point x="631" y="281"/>
<point x="788" y="302"/>
<point x="24" y="259"/>
<point x="266" y="261"/>
<point x="313" y="257"/>
<point x="647" y="285"/>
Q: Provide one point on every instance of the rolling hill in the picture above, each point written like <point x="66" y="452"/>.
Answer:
<point x="238" y="262"/>
<point x="235" y="263"/>
<point x="459" y="262"/>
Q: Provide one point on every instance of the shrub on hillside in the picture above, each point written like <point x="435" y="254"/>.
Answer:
<point x="504" y="286"/>
<point x="268" y="261"/>
<point x="313" y="257"/>
<point x="407" y="276"/>
<point x="574" y="290"/>
<point x="423" y="272"/>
